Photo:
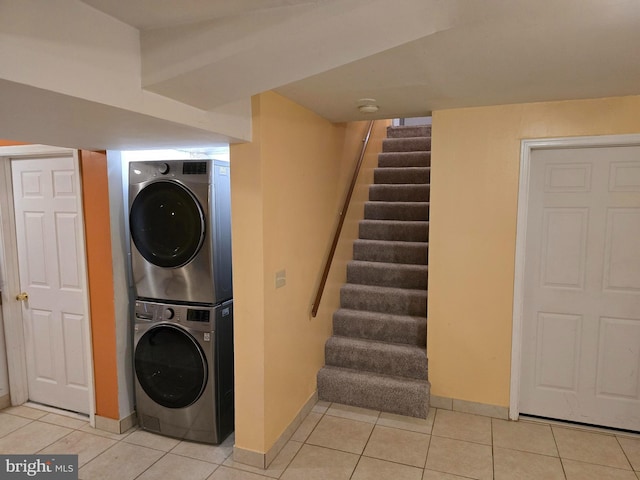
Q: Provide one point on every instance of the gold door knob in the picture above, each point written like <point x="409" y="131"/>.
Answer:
<point x="22" y="297"/>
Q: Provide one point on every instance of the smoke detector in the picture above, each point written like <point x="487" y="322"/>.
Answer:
<point x="368" y="105"/>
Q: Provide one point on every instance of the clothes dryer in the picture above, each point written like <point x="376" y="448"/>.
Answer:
<point x="180" y="230"/>
<point x="183" y="360"/>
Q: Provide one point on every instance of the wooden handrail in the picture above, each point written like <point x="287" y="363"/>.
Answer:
<point x="336" y="236"/>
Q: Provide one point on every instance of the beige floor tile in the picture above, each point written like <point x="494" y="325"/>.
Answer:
<point x="631" y="447"/>
<point x="207" y="453"/>
<point x="306" y="427"/>
<point x="10" y="423"/>
<point x="321" y="407"/>
<point x="462" y="426"/>
<point x="590" y="447"/>
<point x="516" y="465"/>
<point x="374" y="469"/>
<point x="123" y="461"/>
<point x="317" y="463"/>
<point x="83" y="444"/>
<point x="433" y="475"/>
<point x="400" y="446"/>
<point x="32" y="438"/>
<point x="26" y="412"/>
<point x="226" y="473"/>
<point x="341" y="434"/>
<point x="63" y="421"/>
<point x="276" y="468"/>
<point x="151" y="440"/>
<point x="353" y="413"/>
<point x="524" y="436"/>
<point x="584" y="471"/>
<point x="466" y="459"/>
<point x="175" y="467"/>
<point x="103" y="433"/>
<point x="420" y="425"/>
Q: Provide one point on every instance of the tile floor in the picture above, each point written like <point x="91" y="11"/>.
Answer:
<point x="336" y="442"/>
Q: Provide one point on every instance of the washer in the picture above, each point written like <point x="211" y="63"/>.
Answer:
<point x="183" y="361"/>
<point x="180" y="231"/>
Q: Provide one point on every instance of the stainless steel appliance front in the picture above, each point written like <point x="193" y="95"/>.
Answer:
<point x="183" y="359"/>
<point x="180" y="229"/>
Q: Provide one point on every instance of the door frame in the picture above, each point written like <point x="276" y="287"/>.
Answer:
<point x="10" y="278"/>
<point x="526" y="150"/>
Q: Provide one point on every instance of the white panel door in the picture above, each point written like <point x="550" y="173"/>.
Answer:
<point x="581" y="323"/>
<point x="52" y="273"/>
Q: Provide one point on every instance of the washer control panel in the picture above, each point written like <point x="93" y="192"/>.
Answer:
<point x="188" y="315"/>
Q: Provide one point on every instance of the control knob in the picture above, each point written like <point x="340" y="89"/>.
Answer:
<point x="168" y="313"/>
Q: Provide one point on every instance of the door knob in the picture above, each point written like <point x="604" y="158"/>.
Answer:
<point x="22" y="297"/>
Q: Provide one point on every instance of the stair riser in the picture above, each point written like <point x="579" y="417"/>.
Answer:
<point x="390" y="252"/>
<point x="399" y="193"/>
<point x="404" y="159"/>
<point x="405" y="330"/>
<point x="405" y="303"/>
<point x="403" y="398"/>
<point x="409" y="131"/>
<point x="388" y="275"/>
<point x="402" y="175"/>
<point x="416" y="144"/>
<point x="406" y="232"/>
<point x="406" y="211"/>
<point x="382" y="362"/>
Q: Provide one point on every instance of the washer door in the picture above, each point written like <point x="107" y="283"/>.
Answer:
<point x="170" y="366"/>
<point x="167" y="224"/>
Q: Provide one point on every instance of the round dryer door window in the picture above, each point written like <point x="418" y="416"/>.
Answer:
<point x="167" y="224"/>
<point x="170" y="366"/>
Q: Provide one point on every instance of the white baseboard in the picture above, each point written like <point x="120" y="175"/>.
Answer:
<point x="116" y="426"/>
<point x="263" y="460"/>
<point x="487" y="410"/>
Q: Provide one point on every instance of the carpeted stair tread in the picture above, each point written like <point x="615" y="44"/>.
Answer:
<point x="397" y="275"/>
<point x="408" y="144"/>
<point x="391" y="251"/>
<point x="403" y="396"/>
<point x="404" y="159"/>
<point x="406" y="211"/>
<point x="394" y="230"/>
<point x="397" y="301"/>
<point x="418" y="192"/>
<point x="409" y="361"/>
<point x="401" y="175"/>
<point x="380" y="326"/>
<point x="404" y="131"/>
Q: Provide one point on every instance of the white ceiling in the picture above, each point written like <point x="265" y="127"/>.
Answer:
<point x="468" y="53"/>
<point x="196" y="57"/>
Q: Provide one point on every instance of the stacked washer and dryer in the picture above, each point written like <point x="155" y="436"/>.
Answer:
<point x="180" y="229"/>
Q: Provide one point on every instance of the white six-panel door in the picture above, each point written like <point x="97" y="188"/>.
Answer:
<point x="48" y="214"/>
<point x="581" y="296"/>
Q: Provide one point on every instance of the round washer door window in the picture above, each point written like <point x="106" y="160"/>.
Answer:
<point x="170" y="366"/>
<point x="167" y="224"/>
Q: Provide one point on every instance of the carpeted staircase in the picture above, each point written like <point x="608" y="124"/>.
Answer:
<point x="377" y="357"/>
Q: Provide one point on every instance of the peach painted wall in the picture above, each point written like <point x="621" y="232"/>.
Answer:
<point x="101" y="294"/>
<point x="286" y="187"/>
<point x="474" y="191"/>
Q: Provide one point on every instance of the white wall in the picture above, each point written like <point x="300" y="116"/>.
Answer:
<point x="121" y="283"/>
<point x="4" y="377"/>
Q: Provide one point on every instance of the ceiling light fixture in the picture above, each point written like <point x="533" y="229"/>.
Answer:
<point x="368" y="105"/>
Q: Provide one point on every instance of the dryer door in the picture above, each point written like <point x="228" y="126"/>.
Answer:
<point x="167" y="224"/>
<point x="170" y="366"/>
